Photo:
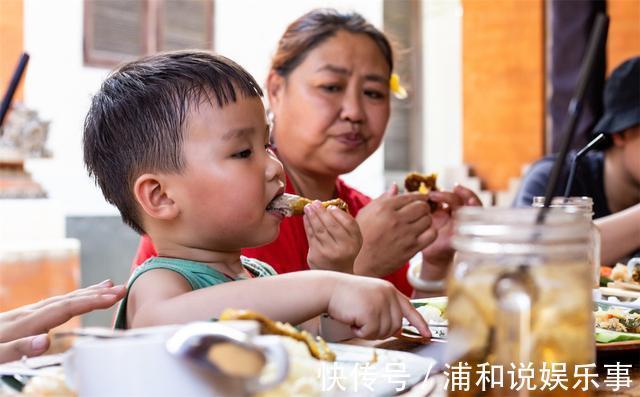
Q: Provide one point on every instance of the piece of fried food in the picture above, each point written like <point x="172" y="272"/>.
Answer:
<point x="317" y="347"/>
<point x="291" y="204"/>
<point x="298" y="203"/>
<point x="423" y="183"/>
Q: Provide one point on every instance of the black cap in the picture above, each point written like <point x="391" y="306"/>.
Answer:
<point x="621" y="99"/>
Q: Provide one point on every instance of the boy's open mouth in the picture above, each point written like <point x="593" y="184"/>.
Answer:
<point x="280" y="205"/>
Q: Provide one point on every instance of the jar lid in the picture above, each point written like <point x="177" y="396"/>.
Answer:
<point x="514" y="230"/>
<point x="582" y="203"/>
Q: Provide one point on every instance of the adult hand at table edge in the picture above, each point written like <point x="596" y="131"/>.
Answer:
<point x="19" y="325"/>
<point x="29" y="346"/>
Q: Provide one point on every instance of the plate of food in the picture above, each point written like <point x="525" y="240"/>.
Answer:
<point x="617" y="328"/>
<point x="356" y="371"/>
<point x="434" y="311"/>
<point x="622" y="281"/>
<point x="317" y="368"/>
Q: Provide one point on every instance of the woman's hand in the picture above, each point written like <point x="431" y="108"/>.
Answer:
<point x="438" y="256"/>
<point x="334" y="238"/>
<point x="394" y="228"/>
<point x="23" y="331"/>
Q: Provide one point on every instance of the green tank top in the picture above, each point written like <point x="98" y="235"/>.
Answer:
<point x="198" y="274"/>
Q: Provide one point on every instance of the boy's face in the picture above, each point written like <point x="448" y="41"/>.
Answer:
<point x="230" y="176"/>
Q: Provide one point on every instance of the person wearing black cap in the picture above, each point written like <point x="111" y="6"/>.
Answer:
<point x="611" y="175"/>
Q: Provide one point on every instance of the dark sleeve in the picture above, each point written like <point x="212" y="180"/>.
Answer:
<point x="534" y="183"/>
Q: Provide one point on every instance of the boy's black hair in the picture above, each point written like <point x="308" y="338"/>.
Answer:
<point x="136" y="121"/>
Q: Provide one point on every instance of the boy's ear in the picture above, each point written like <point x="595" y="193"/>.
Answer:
<point x="152" y="197"/>
<point x="275" y="87"/>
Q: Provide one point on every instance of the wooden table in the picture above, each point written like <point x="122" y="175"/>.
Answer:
<point x="434" y="387"/>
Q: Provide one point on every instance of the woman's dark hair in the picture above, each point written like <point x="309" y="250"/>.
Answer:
<point x="137" y="119"/>
<point x="313" y="28"/>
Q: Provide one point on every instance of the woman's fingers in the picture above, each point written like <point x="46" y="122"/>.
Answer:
<point x="118" y="290"/>
<point x="30" y="346"/>
<point x="392" y="191"/>
<point x="43" y="319"/>
<point x="457" y="198"/>
<point x="452" y="200"/>
<point x="100" y="288"/>
<point x="413" y="211"/>
<point x="401" y="200"/>
<point x="468" y="196"/>
<point x="426" y="238"/>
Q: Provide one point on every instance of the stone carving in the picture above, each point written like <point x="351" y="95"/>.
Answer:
<point x="24" y="135"/>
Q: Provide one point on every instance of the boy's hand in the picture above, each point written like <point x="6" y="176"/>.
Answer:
<point x="394" y="228"/>
<point x="334" y="238"/>
<point x="374" y="308"/>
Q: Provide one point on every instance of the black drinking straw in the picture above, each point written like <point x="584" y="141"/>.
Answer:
<point x="596" y="43"/>
<point x="13" y="85"/>
<point x="574" y="163"/>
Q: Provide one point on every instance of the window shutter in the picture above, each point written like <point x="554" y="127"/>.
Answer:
<point x="185" y="24"/>
<point x="115" y="30"/>
<point x="403" y="147"/>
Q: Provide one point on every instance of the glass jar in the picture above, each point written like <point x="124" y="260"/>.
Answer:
<point x="584" y="206"/>
<point x="520" y="294"/>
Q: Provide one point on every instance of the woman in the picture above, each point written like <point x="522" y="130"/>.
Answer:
<point x="328" y="90"/>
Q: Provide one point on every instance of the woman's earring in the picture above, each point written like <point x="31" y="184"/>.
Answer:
<point x="271" y="120"/>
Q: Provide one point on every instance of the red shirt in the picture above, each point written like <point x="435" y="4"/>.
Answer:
<point x="288" y="253"/>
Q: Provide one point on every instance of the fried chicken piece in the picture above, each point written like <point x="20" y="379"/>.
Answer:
<point x="415" y="182"/>
<point x="291" y="204"/>
<point x="318" y="348"/>
<point x="423" y="183"/>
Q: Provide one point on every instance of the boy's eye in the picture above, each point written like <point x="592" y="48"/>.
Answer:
<point x="242" y="155"/>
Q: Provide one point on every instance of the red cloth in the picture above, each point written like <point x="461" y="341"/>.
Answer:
<point x="288" y="253"/>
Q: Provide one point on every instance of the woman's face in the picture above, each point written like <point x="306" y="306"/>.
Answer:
<point x="332" y="109"/>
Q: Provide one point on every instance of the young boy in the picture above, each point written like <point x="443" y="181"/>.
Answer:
<point x="179" y="142"/>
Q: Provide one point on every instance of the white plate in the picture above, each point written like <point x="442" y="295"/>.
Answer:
<point x="437" y="332"/>
<point x="394" y="370"/>
<point x="626" y="305"/>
